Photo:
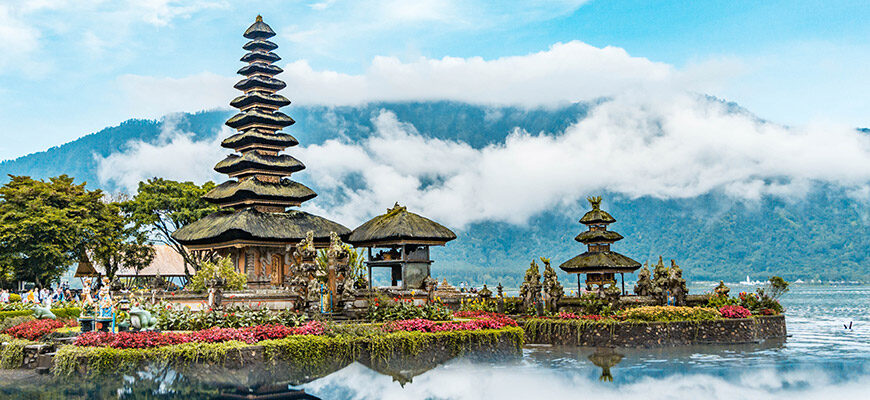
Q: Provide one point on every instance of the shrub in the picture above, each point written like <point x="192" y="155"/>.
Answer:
<point x="717" y="301"/>
<point x="15" y="298"/>
<point x="734" y="312"/>
<point x="669" y="313"/>
<point x="478" y="304"/>
<point x="33" y="330"/>
<point x="173" y="318"/>
<point x="423" y="325"/>
<point x="222" y="269"/>
<point x="399" y="309"/>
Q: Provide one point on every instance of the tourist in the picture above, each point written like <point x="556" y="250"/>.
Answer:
<point x="4" y="296"/>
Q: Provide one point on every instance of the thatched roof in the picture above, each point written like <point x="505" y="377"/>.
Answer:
<point x="598" y="236"/>
<point x="250" y="224"/>
<point x="259" y="55"/>
<point x="259" y="30"/>
<point x="259" y="82"/>
<point x="255" y="115"/>
<point x="253" y="188"/>
<point x="261" y="68"/>
<point x="85" y="268"/>
<point x="597" y="215"/>
<point x="259" y="137"/>
<point x="400" y="225"/>
<point x="260" y="97"/>
<point x="282" y="163"/>
<point x="260" y="44"/>
<point x="599" y="261"/>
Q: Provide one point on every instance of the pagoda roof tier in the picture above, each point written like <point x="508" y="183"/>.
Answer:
<point x="248" y="191"/>
<point x="598" y="236"/>
<point x="248" y="224"/>
<point x="281" y="164"/>
<point x="399" y="225"/>
<point x="260" y="68"/>
<point x="254" y="98"/>
<point x="255" y="137"/>
<point x="260" y="82"/>
<point x="259" y="55"/>
<point x="260" y="44"/>
<point x="599" y="262"/>
<point x="259" y="30"/>
<point x="256" y="116"/>
<point x="596" y="215"/>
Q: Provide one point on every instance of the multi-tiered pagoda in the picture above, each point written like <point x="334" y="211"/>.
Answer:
<point x="254" y="225"/>
<point x="599" y="263"/>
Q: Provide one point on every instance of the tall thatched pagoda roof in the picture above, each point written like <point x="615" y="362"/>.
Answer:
<point x="598" y="258"/>
<point x="400" y="226"/>
<point x="599" y="261"/>
<point x="256" y="226"/>
<point x="596" y="215"/>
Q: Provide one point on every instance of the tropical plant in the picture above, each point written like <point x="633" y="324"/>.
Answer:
<point x="669" y="314"/>
<point x="222" y="269"/>
<point x="399" y="309"/>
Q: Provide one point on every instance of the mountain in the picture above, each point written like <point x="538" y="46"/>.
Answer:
<point x="824" y="235"/>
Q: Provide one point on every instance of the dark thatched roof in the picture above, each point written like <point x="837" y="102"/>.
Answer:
<point x="250" y="224"/>
<point x="599" y="261"/>
<point x="598" y="236"/>
<point x="262" y="68"/>
<point x="597" y="215"/>
<point x="85" y="269"/>
<point x="259" y="30"/>
<point x="260" y="44"/>
<point x="260" y="82"/>
<point x="253" y="188"/>
<point x="259" y="55"/>
<point x="259" y="97"/>
<point x="399" y="224"/>
<point x="259" y="137"/>
<point x="258" y="116"/>
<point x="282" y="163"/>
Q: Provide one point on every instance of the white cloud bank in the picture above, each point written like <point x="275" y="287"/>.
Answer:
<point x="652" y="137"/>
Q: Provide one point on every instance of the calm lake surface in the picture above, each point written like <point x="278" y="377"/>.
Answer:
<point x="821" y="359"/>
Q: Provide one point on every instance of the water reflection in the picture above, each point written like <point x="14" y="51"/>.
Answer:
<point x="605" y="358"/>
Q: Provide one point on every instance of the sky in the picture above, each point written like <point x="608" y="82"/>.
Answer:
<point x="72" y="67"/>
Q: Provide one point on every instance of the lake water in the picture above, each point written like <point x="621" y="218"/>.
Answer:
<point x="821" y="359"/>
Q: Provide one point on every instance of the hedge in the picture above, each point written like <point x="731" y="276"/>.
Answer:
<point x="60" y="313"/>
<point x="307" y="355"/>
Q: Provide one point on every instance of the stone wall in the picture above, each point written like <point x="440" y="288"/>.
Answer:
<point x="653" y="334"/>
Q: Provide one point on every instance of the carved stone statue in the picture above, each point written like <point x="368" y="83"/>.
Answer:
<point x="552" y="288"/>
<point x="676" y="284"/>
<point x="644" y="283"/>
<point x="530" y="291"/>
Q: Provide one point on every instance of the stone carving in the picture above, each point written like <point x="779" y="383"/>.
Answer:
<point x="644" y="283"/>
<point x="721" y="290"/>
<point x="530" y="291"/>
<point x="552" y="288"/>
<point x="676" y="284"/>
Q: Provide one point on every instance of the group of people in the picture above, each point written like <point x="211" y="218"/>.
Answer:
<point x="60" y="293"/>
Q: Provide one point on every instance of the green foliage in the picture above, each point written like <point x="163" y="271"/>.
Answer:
<point x="12" y="354"/>
<point x="172" y="318"/>
<point x="221" y="269"/>
<point x="537" y="329"/>
<point x="306" y="355"/>
<point x="776" y="287"/>
<point x="117" y="242"/>
<point x="669" y="314"/>
<point x="720" y="301"/>
<point x="60" y="313"/>
<point x="589" y="304"/>
<point x="161" y="206"/>
<point x="46" y="226"/>
<point x="9" y="321"/>
<point x="478" y="304"/>
<point x="381" y="310"/>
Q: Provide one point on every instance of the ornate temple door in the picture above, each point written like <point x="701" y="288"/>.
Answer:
<point x="277" y="270"/>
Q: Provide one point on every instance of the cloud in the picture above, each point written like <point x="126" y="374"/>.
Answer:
<point x="573" y="71"/>
<point x="462" y="381"/>
<point x="174" y="155"/>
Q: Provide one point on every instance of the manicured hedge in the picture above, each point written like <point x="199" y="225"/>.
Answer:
<point x="60" y="313"/>
<point x="306" y="354"/>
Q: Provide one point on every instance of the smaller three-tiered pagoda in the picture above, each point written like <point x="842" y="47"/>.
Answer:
<point x="599" y="263"/>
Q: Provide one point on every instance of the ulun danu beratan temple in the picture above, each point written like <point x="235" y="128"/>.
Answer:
<point x="257" y="226"/>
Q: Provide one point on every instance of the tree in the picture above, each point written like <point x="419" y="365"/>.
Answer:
<point x="45" y="226"/>
<point x="162" y="206"/>
<point x="118" y="243"/>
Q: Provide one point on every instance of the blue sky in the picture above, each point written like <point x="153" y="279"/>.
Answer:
<point x="68" y="68"/>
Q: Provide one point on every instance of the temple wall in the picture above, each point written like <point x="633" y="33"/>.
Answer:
<point x="654" y="334"/>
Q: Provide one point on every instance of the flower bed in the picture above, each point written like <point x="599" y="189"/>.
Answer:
<point x="142" y="340"/>
<point x="174" y="318"/>
<point x="589" y="317"/>
<point x="382" y="310"/>
<point x="493" y="321"/>
<point x="669" y="314"/>
<point x="35" y="329"/>
<point x="734" y="312"/>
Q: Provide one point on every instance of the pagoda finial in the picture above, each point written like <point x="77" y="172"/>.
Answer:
<point x="396" y="208"/>
<point x="595" y="201"/>
<point x="259" y="18"/>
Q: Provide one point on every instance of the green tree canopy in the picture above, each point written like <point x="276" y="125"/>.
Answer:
<point x="45" y="226"/>
<point x="161" y="206"/>
<point x="118" y="243"/>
